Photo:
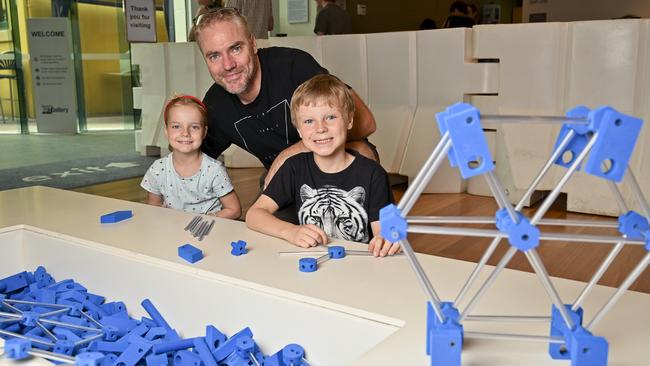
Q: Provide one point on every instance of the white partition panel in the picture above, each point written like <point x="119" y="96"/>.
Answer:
<point x="392" y="93"/>
<point x="345" y="57"/>
<point x="309" y="44"/>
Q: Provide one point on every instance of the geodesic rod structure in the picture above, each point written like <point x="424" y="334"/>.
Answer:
<point x="599" y="142"/>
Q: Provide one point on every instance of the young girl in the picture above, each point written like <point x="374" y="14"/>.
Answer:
<point x="187" y="179"/>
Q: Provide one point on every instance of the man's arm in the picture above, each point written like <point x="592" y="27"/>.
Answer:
<point x="290" y="151"/>
<point x="364" y="123"/>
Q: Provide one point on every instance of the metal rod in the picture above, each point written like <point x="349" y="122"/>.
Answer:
<point x="546" y="204"/>
<point x="52" y="356"/>
<point x="16" y="310"/>
<point x="89" y="339"/>
<point x="11" y="315"/>
<point x="71" y="326"/>
<point x="210" y="227"/>
<point x="323" y="258"/>
<point x="91" y="319"/>
<point x="508" y="318"/>
<point x="55" y="312"/>
<point x="192" y="222"/>
<point x="34" y="303"/>
<point x="596" y="277"/>
<point x="629" y="280"/>
<point x="514" y="337"/>
<point x="9" y="320"/>
<point x="34" y="340"/>
<point x="490" y="220"/>
<point x="47" y="332"/>
<point x="195" y="224"/>
<point x="423" y="279"/>
<point x="541" y="272"/>
<point x="200" y="229"/>
<point x="511" y="118"/>
<point x="488" y="282"/>
<point x="618" y="196"/>
<point x="636" y="189"/>
<point x="252" y="357"/>
<point x="497" y="190"/>
<point x="424" y="176"/>
<point x="206" y="231"/>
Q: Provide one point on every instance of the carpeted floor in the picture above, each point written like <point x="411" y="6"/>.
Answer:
<point x="69" y="161"/>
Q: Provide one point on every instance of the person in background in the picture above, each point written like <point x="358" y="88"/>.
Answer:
<point x="458" y="16"/>
<point x="472" y="12"/>
<point x="187" y="179"/>
<point x="258" y="13"/>
<point x="428" y="23"/>
<point x="337" y="193"/>
<point x="331" y="19"/>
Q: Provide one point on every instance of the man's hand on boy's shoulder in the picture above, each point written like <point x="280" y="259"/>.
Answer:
<point x="306" y="236"/>
<point x="290" y="151"/>
<point x="380" y="247"/>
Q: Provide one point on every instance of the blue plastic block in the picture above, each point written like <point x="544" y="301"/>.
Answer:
<point x="171" y="346"/>
<point x="577" y="142"/>
<point x="238" y="248"/>
<point x="155" y="333"/>
<point x="67" y="285"/>
<point x="17" y="349"/>
<point x="95" y="299"/>
<point x="113" y="307"/>
<point x="469" y="151"/>
<point x="67" y="334"/>
<point x="155" y="314"/>
<point x="521" y="235"/>
<point x="444" y="340"/>
<point x="586" y="349"/>
<point x="156" y="360"/>
<point x="190" y="253"/>
<point x="122" y="325"/>
<point x="109" y="359"/>
<point x="112" y="347"/>
<point x="89" y="359"/>
<point x="336" y="252"/>
<point x="204" y="352"/>
<point x="133" y="354"/>
<point x="29" y="318"/>
<point x="617" y="135"/>
<point x="244" y="346"/>
<point x="111" y="333"/>
<point x="63" y="347"/>
<point x="93" y="308"/>
<point x="213" y="337"/>
<point x="230" y="345"/>
<point x="632" y="225"/>
<point x="116" y="216"/>
<point x="292" y="354"/>
<point x="42" y="278"/>
<point x="44" y="295"/>
<point x="149" y="322"/>
<point x="15" y="282"/>
<point x="186" y="358"/>
<point x="307" y="264"/>
<point x="393" y="225"/>
<point x="559" y="329"/>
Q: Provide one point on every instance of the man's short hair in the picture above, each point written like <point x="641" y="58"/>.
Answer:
<point x="322" y="88"/>
<point x="210" y="17"/>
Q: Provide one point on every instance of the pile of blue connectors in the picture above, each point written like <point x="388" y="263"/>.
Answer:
<point x="64" y="323"/>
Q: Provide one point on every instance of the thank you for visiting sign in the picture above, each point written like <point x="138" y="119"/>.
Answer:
<point x="140" y="18"/>
<point x="53" y="78"/>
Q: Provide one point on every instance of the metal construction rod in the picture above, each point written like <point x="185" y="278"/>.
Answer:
<point x="89" y="339"/>
<point x="491" y="220"/>
<point x="192" y="222"/>
<point x="514" y="337"/>
<point x="34" y="303"/>
<point x="636" y="189"/>
<point x="497" y="191"/>
<point x="52" y="356"/>
<point x="488" y="253"/>
<point x="424" y="176"/>
<point x="629" y="280"/>
<point x="15" y="309"/>
<point x="540" y="270"/>
<point x="596" y="277"/>
<point x="207" y="230"/>
<point x="508" y="318"/>
<point x="253" y="358"/>
<point x="493" y="276"/>
<point x="11" y="315"/>
<point x="322" y="259"/>
<point x="423" y="279"/>
<point x="34" y="340"/>
<point x="510" y="118"/>
<point x="9" y="320"/>
<point x="618" y="196"/>
<point x="91" y="319"/>
<point x="47" y="332"/>
<point x="55" y="312"/>
<point x="71" y="326"/>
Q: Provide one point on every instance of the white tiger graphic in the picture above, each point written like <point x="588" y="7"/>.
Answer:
<point x="338" y="212"/>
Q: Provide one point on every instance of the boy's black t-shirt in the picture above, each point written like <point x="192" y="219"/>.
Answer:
<point x="343" y="204"/>
<point x="262" y="127"/>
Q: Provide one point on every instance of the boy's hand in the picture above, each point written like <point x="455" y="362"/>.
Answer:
<point x="307" y="236"/>
<point x="381" y="248"/>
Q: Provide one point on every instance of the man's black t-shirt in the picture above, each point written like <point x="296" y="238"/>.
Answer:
<point x="343" y="204"/>
<point x="262" y="127"/>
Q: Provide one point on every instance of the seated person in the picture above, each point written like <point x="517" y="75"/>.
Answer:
<point x="337" y="193"/>
<point x="187" y="179"/>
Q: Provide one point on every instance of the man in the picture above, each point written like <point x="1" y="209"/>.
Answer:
<point x="249" y="103"/>
<point x="331" y="19"/>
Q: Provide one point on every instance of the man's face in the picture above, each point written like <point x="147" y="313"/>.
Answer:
<point x="230" y="56"/>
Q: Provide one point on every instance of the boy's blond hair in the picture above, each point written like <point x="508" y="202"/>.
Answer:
<point x="323" y="87"/>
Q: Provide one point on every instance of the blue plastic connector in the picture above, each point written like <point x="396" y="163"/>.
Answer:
<point x="292" y="354"/>
<point x="307" y="264"/>
<point x="632" y="225"/>
<point x="617" y="136"/>
<point x="393" y="225"/>
<point x="190" y="253"/>
<point x="29" y="318"/>
<point x="230" y="345"/>
<point x="173" y="345"/>
<point x="16" y="282"/>
<point x="154" y="314"/>
<point x="89" y="359"/>
<point x="336" y="252"/>
<point x="444" y="340"/>
<point x="116" y="216"/>
<point x="586" y="349"/>
<point x="559" y="329"/>
<point x="469" y="151"/>
<point x="238" y="248"/>
<point x="42" y="278"/>
<point x="213" y="337"/>
<point x="17" y="349"/>
<point x="577" y="142"/>
<point x="186" y="358"/>
<point x="521" y="235"/>
<point x="156" y="360"/>
<point x="133" y="354"/>
<point x="204" y="352"/>
<point x="63" y="347"/>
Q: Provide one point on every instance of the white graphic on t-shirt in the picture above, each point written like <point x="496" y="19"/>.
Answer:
<point x="338" y="212"/>
<point x="285" y="117"/>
